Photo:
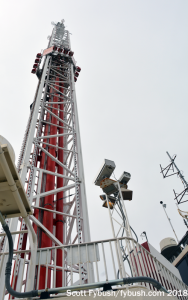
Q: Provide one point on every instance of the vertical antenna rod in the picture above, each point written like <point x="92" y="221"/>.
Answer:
<point x="164" y="206"/>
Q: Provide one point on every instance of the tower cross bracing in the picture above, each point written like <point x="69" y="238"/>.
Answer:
<point x="50" y="164"/>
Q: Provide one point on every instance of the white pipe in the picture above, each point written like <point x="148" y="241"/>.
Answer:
<point x="31" y="229"/>
<point x="170" y="223"/>
<point x="32" y="263"/>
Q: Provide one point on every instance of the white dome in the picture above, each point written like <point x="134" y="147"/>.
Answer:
<point x="167" y="242"/>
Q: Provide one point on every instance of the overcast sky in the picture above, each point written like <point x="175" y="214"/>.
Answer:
<point x="132" y="95"/>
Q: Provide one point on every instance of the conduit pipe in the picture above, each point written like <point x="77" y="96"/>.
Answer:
<point x="104" y="284"/>
<point x="9" y="266"/>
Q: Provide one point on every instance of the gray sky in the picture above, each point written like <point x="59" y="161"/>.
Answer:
<point x="132" y="95"/>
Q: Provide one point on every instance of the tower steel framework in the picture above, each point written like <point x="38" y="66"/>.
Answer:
<point x="170" y="169"/>
<point x="51" y="169"/>
<point x="50" y="163"/>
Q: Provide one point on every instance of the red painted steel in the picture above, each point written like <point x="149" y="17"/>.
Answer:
<point x="59" y="203"/>
<point x="148" y="266"/>
<point x="48" y="184"/>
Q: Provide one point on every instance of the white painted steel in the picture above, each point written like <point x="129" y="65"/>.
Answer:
<point x="32" y="263"/>
<point x="56" y="212"/>
<point x="73" y="267"/>
<point x="55" y="159"/>
<point x="19" y="201"/>
<point x="76" y="228"/>
<point x="55" y="191"/>
<point x="164" y="261"/>
<point x="14" y="232"/>
<point x="31" y="133"/>
<point x="48" y="233"/>
<point x="23" y="164"/>
<point x="82" y="191"/>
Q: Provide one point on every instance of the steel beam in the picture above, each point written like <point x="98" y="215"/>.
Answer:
<point x="47" y="232"/>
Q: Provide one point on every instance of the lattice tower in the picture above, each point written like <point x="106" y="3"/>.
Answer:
<point x="50" y="163"/>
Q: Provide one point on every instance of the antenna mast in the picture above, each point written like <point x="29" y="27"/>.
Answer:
<point x="51" y="166"/>
<point x="170" y="167"/>
<point x="164" y="207"/>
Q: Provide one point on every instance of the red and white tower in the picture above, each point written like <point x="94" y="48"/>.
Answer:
<point x="53" y="251"/>
<point x="50" y="163"/>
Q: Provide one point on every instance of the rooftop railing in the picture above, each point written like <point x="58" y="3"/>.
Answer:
<point x="99" y="261"/>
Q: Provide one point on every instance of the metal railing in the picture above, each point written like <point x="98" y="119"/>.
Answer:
<point x="103" y="259"/>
